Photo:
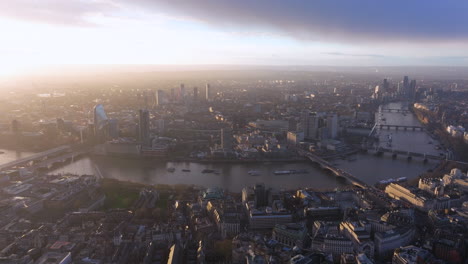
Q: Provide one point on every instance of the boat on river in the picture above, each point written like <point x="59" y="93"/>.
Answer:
<point x="282" y="172"/>
<point x="285" y="172"/>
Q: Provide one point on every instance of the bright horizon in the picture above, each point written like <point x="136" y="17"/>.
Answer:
<point x="222" y="32"/>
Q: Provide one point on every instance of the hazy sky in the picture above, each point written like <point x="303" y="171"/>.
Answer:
<point x="266" y="32"/>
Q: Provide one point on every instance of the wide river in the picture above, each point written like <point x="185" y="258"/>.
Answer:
<point x="234" y="176"/>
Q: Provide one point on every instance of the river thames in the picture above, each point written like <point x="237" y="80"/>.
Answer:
<point x="234" y="176"/>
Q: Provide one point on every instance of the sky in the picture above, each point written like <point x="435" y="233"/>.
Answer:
<point x="35" y="33"/>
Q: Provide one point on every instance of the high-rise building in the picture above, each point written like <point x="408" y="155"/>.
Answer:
<point x="145" y="99"/>
<point x="405" y="84"/>
<point x="310" y="125"/>
<point x="332" y="125"/>
<point x="181" y="93"/>
<point x="160" y="98"/>
<point x="386" y="86"/>
<point x="172" y="95"/>
<point x="195" y="94"/>
<point x="144" y="127"/>
<point x="261" y="195"/>
<point x="226" y="138"/>
<point x="207" y="92"/>
<point x="113" y="128"/>
<point x="412" y="90"/>
<point x="100" y="123"/>
<point x="319" y="126"/>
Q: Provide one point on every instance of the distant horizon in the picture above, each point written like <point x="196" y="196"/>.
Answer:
<point x="224" y="32"/>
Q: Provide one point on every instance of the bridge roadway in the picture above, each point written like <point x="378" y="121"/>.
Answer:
<point x="408" y="153"/>
<point x="36" y="157"/>
<point x="397" y="127"/>
<point x="47" y="164"/>
<point x="396" y="110"/>
<point x="338" y="172"/>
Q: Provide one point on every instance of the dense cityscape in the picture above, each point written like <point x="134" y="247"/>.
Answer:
<point x="233" y="132"/>
<point x="51" y="212"/>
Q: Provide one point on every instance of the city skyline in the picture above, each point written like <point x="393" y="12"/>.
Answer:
<point x="233" y="131"/>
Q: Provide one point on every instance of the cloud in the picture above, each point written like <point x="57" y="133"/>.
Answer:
<point x="66" y="12"/>
<point x="319" y="20"/>
<point x="344" y="20"/>
<point x="353" y="54"/>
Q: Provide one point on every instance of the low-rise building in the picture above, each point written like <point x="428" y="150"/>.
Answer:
<point x="385" y="242"/>
<point x="411" y="255"/>
<point x="293" y="234"/>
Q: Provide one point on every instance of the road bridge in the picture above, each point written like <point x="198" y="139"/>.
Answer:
<point x="338" y="172"/>
<point x="38" y="157"/>
<point x="400" y="127"/>
<point x="64" y="158"/>
<point x="396" y="152"/>
<point x="394" y="110"/>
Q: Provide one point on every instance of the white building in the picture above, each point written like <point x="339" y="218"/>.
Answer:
<point x="295" y="137"/>
<point x="456" y="131"/>
<point x="359" y="234"/>
<point x="433" y="186"/>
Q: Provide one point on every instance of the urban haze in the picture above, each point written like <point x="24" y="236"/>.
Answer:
<point x="233" y="132"/>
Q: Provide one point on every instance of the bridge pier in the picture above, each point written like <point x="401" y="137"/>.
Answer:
<point x="394" y="155"/>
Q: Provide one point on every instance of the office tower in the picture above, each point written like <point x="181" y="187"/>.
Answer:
<point x="172" y="94"/>
<point x="207" y="93"/>
<point x="113" y="128"/>
<point x="386" y="86"/>
<point x="100" y="123"/>
<point x="412" y="90"/>
<point x="195" y="94"/>
<point x="160" y="100"/>
<point x="181" y="92"/>
<point x="144" y="127"/>
<point x="310" y="125"/>
<point x="379" y="92"/>
<point x="377" y="89"/>
<point x="405" y="84"/>
<point x="145" y="99"/>
<point x="332" y="125"/>
<point x="226" y="138"/>
<point x="261" y="195"/>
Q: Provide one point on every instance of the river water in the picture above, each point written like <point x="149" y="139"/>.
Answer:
<point x="234" y="176"/>
<point x="11" y="155"/>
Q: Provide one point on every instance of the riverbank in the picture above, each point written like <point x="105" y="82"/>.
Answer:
<point x="457" y="145"/>
<point x="202" y="161"/>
